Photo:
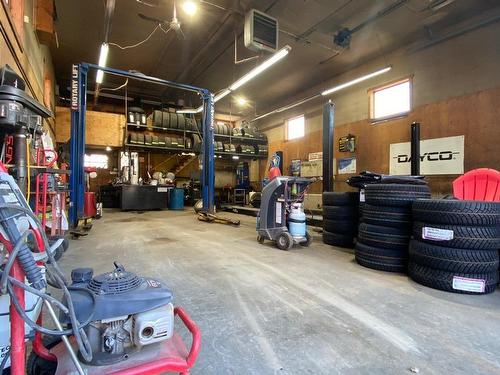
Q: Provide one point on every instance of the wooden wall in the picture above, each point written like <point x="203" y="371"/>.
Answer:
<point x="477" y="116"/>
<point x="102" y="129"/>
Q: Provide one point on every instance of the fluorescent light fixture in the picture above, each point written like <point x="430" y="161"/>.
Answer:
<point x="190" y="7"/>
<point x="259" y="69"/>
<point x="236" y="157"/>
<point x="186" y="111"/>
<point x="221" y="95"/>
<point x="103" y="58"/>
<point x="355" y="81"/>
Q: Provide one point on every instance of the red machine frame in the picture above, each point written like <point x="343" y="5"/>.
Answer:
<point x="176" y="359"/>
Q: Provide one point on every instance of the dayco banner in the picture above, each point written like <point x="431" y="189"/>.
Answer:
<point x="437" y="156"/>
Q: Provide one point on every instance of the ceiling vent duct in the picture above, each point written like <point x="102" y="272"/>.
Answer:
<point x="261" y="31"/>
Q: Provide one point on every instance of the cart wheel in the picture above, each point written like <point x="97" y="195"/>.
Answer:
<point x="284" y="241"/>
<point x="37" y="365"/>
<point x="260" y="239"/>
<point x="308" y="240"/>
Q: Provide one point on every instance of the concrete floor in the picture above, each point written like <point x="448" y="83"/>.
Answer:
<point x="306" y="311"/>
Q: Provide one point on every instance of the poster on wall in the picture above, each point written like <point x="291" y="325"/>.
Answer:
<point x="437" y="156"/>
<point x="347" y="165"/>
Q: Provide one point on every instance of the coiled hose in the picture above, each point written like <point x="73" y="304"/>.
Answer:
<point x="56" y="277"/>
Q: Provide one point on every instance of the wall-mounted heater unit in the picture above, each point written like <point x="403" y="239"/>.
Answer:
<point x="261" y="31"/>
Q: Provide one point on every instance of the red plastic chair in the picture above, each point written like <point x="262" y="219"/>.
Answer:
<point x="482" y="184"/>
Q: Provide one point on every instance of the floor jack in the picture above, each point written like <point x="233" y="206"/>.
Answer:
<point x="114" y="323"/>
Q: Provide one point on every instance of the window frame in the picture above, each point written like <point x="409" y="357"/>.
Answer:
<point x="288" y="131"/>
<point x="371" y="100"/>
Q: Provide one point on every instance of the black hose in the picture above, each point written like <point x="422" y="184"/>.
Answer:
<point x="12" y="257"/>
<point x="4" y="361"/>
<point x="38" y="293"/>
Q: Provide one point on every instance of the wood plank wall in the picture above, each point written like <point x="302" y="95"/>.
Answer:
<point x="103" y="129"/>
<point x="476" y="116"/>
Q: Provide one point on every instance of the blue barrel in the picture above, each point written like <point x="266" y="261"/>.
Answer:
<point x="176" y="199"/>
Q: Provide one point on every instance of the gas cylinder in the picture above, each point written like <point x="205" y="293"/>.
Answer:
<point x="297" y="221"/>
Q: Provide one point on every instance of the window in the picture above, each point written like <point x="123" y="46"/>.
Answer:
<point x="295" y="127"/>
<point x="96" y="161"/>
<point x="391" y="101"/>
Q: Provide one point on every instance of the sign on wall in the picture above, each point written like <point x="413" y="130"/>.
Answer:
<point x="437" y="156"/>
<point x="347" y="165"/>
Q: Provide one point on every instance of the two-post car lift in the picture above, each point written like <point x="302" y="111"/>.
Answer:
<point x="79" y="88"/>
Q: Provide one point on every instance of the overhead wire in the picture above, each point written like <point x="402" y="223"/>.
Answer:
<point x="138" y="43"/>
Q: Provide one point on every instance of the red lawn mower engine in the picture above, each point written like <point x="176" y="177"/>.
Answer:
<point x="127" y="313"/>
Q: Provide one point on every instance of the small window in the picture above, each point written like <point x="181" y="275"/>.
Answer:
<point x="96" y="161"/>
<point x="295" y="127"/>
<point x="391" y="101"/>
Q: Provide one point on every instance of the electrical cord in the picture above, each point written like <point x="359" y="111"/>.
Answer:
<point x="4" y="361"/>
<point x="58" y="279"/>
<point x="136" y="44"/>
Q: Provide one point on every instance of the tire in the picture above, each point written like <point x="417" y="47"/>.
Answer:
<point x="284" y="241"/>
<point x="340" y="212"/>
<point x="383" y="237"/>
<point x="166" y="120"/>
<point x="380" y="266"/>
<point x="381" y="259"/>
<point x="453" y="260"/>
<point x="36" y="365"/>
<point x="308" y="240"/>
<point x="397" y="217"/>
<point x="464" y="237"/>
<point x="157" y="119"/>
<point x="395" y="195"/>
<point x="443" y="280"/>
<point x="469" y="213"/>
<point x="168" y="142"/>
<point x="340" y="226"/>
<point x="181" y="121"/>
<point x="173" y="121"/>
<point x="340" y="199"/>
<point x="336" y="239"/>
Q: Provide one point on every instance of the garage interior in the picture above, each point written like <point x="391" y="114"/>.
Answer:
<point x="249" y="187"/>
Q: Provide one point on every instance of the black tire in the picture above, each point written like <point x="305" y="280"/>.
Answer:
<point x="383" y="237"/>
<point x="464" y="237"/>
<point x="308" y="240"/>
<point x="443" y="280"/>
<point x="181" y="121"/>
<point x="284" y="241"/>
<point x="166" y="120"/>
<point x="444" y="211"/>
<point x="340" y="212"/>
<point x="157" y="119"/>
<point x="341" y="226"/>
<point x="396" y="266"/>
<point x="396" y="195"/>
<point x="336" y="239"/>
<point x="173" y="121"/>
<point x="36" y="365"/>
<point x="397" y="217"/>
<point x="140" y="138"/>
<point x="453" y="260"/>
<point x="333" y="198"/>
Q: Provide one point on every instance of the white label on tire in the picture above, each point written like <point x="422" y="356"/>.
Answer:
<point x="469" y="285"/>
<point x="436" y="234"/>
<point x="362" y="195"/>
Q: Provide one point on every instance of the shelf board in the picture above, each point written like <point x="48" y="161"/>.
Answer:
<point x="163" y="130"/>
<point x="159" y="148"/>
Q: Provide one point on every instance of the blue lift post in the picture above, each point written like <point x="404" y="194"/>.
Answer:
<point x="77" y="140"/>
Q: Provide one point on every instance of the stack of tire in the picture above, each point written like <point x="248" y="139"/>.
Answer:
<point x="455" y="245"/>
<point x="385" y="229"/>
<point x="340" y="218"/>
